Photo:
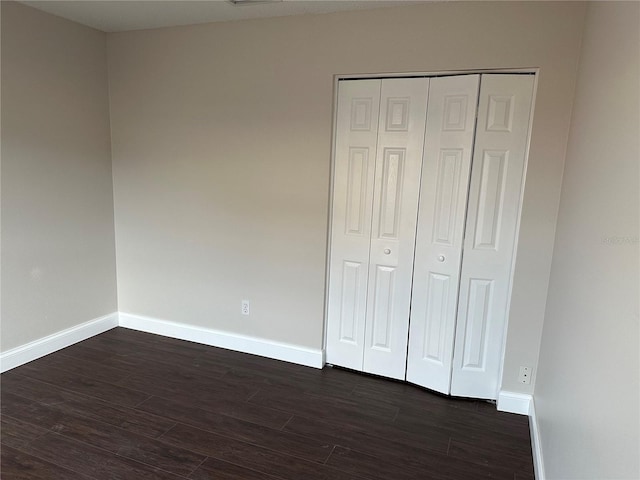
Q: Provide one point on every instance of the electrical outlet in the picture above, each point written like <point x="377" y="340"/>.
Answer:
<point x="525" y="375"/>
<point x="244" y="309"/>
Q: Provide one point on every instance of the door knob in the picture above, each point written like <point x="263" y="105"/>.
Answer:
<point x="387" y="251"/>
<point x="441" y="258"/>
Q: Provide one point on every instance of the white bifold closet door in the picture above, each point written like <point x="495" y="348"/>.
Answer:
<point x="464" y="246"/>
<point x="495" y="191"/>
<point x="354" y="167"/>
<point x="443" y="204"/>
<point x="378" y="160"/>
<point x="424" y="227"/>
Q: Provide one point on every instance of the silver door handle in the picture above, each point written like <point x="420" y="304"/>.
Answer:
<point x="441" y="258"/>
<point x="387" y="251"/>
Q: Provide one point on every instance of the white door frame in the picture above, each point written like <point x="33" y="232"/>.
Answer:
<point x="336" y="79"/>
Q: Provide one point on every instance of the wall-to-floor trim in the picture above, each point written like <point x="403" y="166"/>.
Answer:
<point x="513" y="402"/>
<point x="232" y="341"/>
<point x="523" y="404"/>
<point x="44" y="346"/>
<point x="536" y="447"/>
<point x="257" y="346"/>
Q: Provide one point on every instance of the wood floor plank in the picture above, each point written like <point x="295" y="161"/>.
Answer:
<point x="92" y="369"/>
<point x="124" y="417"/>
<point x="190" y="373"/>
<point x="156" y="342"/>
<point x="311" y="379"/>
<point x="134" y="349"/>
<point x="16" y="433"/>
<point x="333" y="420"/>
<point x="148" y="348"/>
<point x="132" y="420"/>
<point x="235" y="408"/>
<point x="202" y="357"/>
<point x="404" y="395"/>
<point x="136" y="357"/>
<point x="251" y="456"/>
<point x="306" y="404"/>
<point x="213" y="396"/>
<point x="91" y="461"/>
<point x="273" y="439"/>
<point x="17" y="465"/>
<point x="435" y="466"/>
<point x="471" y="427"/>
<point x="36" y="390"/>
<point x="67" y="423"/>
<point x="397" y="446"/>
<point x="82" y="353"/>
<point x="373" y="467"/>
<point x="13" y="404"/>
<point x="257" y="363"/>
<point x="219" y="470"/>
<point x="127" y="345"/>
<point x="85" y="385"/>
<point x="201" y="390"/>
<point x="489" y="455"/>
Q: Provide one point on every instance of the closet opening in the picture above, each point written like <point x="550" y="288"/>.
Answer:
<point x="428" y="173"/>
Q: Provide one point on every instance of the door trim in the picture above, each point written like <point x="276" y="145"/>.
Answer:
<point x="437" y="73"/>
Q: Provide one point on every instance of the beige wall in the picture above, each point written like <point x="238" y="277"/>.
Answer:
<point x="587" y="391"/>
<point x="221" y="154"/>
<point x="57" y="201"/>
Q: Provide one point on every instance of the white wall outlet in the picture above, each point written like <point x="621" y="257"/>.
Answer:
<point x="244" y="309"/>
<point x="525" y="375"/>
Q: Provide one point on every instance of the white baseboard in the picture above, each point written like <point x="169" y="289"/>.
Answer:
<point x="232" y="341"/>
<point x="44" y="346"/>
<point x="536" y="447"/>
<point x="513" y="402"/>
<point x="524" y="404"/>
<point x="257" y="346"/>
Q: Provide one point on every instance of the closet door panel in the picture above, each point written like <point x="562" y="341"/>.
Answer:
<point x="403" y="108"/>
<point x="491" y="230"/>
<point x="354" y="166"/>
<point x="445" y="177"/>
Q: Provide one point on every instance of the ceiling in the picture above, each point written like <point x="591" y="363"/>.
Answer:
<point x="119" y="16"/>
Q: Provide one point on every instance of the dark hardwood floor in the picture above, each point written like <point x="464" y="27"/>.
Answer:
<point x="130" y="405"/>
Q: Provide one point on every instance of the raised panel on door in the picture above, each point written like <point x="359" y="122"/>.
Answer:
<point x="491" y="230"/>
<point x="445" y="177"/>
<point x="403" y="107"/>
<point x="354" y="165"/>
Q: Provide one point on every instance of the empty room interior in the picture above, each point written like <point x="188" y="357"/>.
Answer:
<point x="302" y="239"/>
